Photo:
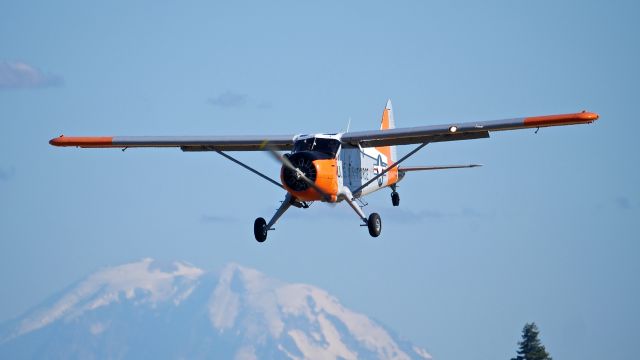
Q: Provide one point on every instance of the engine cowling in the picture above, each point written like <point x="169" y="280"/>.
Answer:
<point x="318" y="168"/>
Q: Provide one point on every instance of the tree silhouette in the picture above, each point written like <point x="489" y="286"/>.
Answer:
<point x="530" y="346"/>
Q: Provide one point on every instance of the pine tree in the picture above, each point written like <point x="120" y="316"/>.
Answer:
<point x="530" y="346"/>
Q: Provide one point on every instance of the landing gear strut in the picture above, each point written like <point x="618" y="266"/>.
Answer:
<point x="261" y="227"/>
<point x="373" y="223"/>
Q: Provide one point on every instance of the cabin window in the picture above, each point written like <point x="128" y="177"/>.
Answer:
<point x="326" y="146"/>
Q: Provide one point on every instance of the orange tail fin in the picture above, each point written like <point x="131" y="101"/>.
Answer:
<point x="387" y="123"/>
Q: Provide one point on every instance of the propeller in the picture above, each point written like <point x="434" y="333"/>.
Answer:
<point x="298" y="173"/>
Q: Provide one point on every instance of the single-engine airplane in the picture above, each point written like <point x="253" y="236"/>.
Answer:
<point x="336" y="167"/>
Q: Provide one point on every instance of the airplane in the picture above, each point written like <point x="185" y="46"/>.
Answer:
<point x="335" y="167"/>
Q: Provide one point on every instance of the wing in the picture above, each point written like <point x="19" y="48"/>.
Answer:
<point x="186" y="143"/>
<point x="397" y="136"/>
<point x="460" y="131"/>
<point x="441" y="167"/>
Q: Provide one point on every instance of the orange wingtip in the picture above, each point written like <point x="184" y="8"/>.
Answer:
<point x="82" y="141"/>
<point x="564" y="119"/>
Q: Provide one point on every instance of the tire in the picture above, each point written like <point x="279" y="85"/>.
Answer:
<point x="395" y="198"/>
<point x="260" y="229"/>
<point x="374" y="223"/>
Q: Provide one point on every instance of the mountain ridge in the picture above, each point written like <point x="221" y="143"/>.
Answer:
<point x="176" y="310"/>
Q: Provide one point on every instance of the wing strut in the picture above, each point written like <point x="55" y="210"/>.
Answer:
<point x="251" y="169"/>
<point x="356" y="192"/>
<point x="441" y="167"/>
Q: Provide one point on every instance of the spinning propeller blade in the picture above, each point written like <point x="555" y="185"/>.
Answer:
<point x="284" y="161"/>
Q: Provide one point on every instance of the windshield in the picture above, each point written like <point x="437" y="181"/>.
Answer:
<point x="326" y="146"/>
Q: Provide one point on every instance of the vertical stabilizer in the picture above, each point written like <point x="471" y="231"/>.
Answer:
<point x="388" y="122"/>
<point x="387" y="117"/>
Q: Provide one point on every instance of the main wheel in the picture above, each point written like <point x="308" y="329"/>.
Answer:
<point x="395" y="198"/>
<point x="260" y="229"/>
<point x="374" y="224"/>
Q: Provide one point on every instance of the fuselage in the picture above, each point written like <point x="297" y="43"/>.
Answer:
<point x="336" y="168"/>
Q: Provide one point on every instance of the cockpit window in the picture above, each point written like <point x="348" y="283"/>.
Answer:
<point x="325" y="146"/>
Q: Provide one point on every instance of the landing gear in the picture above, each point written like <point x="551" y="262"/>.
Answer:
<point x="260" y="229"/>
<point x="395" y="198"/>
<point x="374" y="223"/>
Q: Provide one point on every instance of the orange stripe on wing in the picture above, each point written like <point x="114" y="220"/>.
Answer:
<point x="83" y="141"/>
<point x="564" y="119"/>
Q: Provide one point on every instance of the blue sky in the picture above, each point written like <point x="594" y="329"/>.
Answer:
<point x="546" y="231"/>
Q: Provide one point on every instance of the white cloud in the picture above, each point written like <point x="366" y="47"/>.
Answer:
<point x="19" y="75"/>
<point x="229" y="99"/>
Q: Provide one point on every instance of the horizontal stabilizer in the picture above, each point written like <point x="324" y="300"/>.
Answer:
<point x="442" y="167"/>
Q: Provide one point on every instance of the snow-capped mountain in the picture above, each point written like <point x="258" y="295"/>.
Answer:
<point x="151" y="310"/>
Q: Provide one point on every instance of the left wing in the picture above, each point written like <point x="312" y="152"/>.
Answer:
<point x="459" y="131"/>
<point x="186" y="143"/>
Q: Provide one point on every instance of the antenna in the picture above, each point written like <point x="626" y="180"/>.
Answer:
<point x="348" y="124"/>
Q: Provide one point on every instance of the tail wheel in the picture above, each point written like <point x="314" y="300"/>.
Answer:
<point x="395" y="198"/>
<point x="374" y="223"/>
<point x="260" y="229"/>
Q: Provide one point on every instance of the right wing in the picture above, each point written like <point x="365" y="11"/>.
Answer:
<point x="186" y="143"/>
<point x="459" y="131"/>
<point x="441" y="167"/>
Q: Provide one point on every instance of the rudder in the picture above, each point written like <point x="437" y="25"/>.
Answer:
<point x="388" y="122"/>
